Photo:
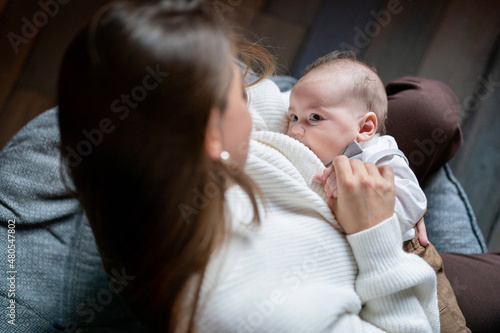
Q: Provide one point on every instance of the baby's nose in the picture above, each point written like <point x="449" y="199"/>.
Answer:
<point x="297" y="129"/>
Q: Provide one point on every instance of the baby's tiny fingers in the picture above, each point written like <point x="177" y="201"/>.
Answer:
<point x="318" y="179"/>
<point x="327" y="172"/>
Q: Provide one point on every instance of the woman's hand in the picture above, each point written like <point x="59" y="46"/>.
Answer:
<point x="366" y="194"/>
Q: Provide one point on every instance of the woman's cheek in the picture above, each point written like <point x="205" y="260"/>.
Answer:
<point x="246" y="131"/>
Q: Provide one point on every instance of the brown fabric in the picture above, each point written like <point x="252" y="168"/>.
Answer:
<point x="451" y="317"/>
<point x="475" y="278"/>
<point x="424" y="119"/>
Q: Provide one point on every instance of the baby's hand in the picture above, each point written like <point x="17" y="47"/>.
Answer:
<point x="329" y="181"/>
<point x="422" y="233"/>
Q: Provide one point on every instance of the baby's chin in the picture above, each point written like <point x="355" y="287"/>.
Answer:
<point x="326" y="161"/>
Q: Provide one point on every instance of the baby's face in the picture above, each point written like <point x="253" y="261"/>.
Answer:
<point x="324" y="115"/>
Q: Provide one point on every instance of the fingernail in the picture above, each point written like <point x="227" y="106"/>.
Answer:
<point x="317" y="181"/>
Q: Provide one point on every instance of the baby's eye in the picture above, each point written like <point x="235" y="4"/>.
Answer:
<point x="294" y="118"/>
<point x="315" y="117"/>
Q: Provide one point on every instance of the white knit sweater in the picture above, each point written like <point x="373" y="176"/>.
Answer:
<point x="297" y="271"/>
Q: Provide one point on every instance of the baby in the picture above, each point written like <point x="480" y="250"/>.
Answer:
<point x="341" y="102"/>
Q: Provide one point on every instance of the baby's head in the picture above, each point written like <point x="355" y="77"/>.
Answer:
<point x="339" y="99"/>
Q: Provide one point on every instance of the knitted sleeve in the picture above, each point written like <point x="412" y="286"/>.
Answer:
<point x="397" y="289"/>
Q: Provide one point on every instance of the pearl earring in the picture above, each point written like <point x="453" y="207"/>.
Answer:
<point x="224" y="157"/>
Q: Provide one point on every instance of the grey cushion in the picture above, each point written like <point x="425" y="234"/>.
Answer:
<point x="59" y="273"/>
<point x="450" y="222"/>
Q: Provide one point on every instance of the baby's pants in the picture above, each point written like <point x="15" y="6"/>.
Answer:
<point x="450" y="315"/>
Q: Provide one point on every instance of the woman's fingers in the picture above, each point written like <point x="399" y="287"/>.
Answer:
<point x="372" y="169"/>
<point x="366" y="194"/>
<point x="342" y="167"/>
<point x="386" y="172"/>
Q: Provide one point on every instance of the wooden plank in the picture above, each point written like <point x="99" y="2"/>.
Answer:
<point x="2" y="4"/>
<point x="28" y="104"/>
<point x="42" y="69"/>
<point x="237" y="13"/>
<point x="283" y="43"/>
<point x="477" y="163"/>
<point x="16" y="18"/>
<point x="399" y="47"/>
<point x="297" y="11"/>
<point x="463" y="54"/>
<point x="334" y="25"/>
<point x="458" y="52"/>
<point x="39" y="70"/>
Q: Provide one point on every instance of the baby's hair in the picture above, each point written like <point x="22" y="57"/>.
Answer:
<point x="366" y="83"/>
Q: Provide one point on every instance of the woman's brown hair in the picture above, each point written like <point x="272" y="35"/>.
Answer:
<point x="136" y="89"/>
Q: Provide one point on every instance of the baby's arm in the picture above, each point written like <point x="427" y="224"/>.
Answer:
<point x="411" y="202"/>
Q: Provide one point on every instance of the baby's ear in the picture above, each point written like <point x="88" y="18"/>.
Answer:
<point x="367" y="127"/>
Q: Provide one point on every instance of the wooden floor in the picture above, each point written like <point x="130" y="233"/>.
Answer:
<point x="455" y="41"/>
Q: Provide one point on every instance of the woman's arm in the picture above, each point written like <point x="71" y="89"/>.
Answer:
<point x="398" y="290"/>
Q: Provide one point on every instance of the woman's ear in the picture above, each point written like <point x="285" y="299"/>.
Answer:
<point x="367" y="127"/>
<point x="213" y="136"/>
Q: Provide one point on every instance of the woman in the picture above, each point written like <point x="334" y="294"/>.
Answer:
<point x="155" y="132"/>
